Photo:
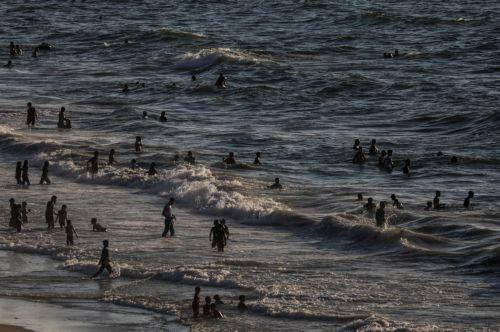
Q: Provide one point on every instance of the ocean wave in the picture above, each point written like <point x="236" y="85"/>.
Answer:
<point x="209" y="57"/>
<point x="374" y="323"/>
<point x="169" y="34"/>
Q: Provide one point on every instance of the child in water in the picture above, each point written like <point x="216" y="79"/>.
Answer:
<point x="207" y="310"/>
<point x="96" y="227"/>
<point x="70" y="230"/>
<point x="62" y="216"/>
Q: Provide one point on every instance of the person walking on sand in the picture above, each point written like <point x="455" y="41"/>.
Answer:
<point x="104" y="262"/>
<point x="169" y="218"/>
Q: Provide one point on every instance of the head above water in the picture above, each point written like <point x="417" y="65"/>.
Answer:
<point x="208" y="299"/>
<point x="360" y="197"/>
<point x="370" y="200"/>
<point x="276" y="180"/>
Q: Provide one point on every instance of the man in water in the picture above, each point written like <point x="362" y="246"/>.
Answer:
<point x="360" y="197"/>
<point x="49" y="213"/>
<point x="125" y="88"/>
<point x="370" y="206"/>
<point x="226" y="229"/>
<point x="257" y="159"/>
<point x="359" y="157"/>
<point x="276" y="184"/>
<point x="169" y="218"/>
<point x="133" y="164"/>
<point x="61" y="123"/>
<point x="9" y="64"/>
<point x="96" y="227"/>
<point x="467" y="199"/>
<point x="163" y="116"/>
<point x="381" y="158"/>
<point x="138" y="144"/>
<point x="406" y="169"/>
<point x="152" y="169"/>
<point x="356" y="144"/>
<point x="93" y="163"/>
<point x="24" y="175"/>
<point x="388" y="164"/>
<point x="189" y="158"/>
<point x="32" y="116"/>
<point x="380" y="215"/>
<point x="70" y="230"/>
<point x="373" y="148"/>
<point x="221" y="81"/>
<point x="217" y="236"/>
<point x="104" y="261"/>
<point x="45" y="173"/>
<point x="230" y="160"/>
<point x="436" y="202"/>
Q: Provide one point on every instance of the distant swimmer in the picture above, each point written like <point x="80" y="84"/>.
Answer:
<point x="276" y="184"/>
<point x="436" y="204"/>
<point x="104" y="262"/>
<point x="32" y="115"/>
<point x="163" y="116"/>
<point x="359" y="157"/>
<point x="45" y="46"/>
<point x="189" y="158"/>
<point x="96" y="227"/>
<point x="125" y="88"/>
<point x="229" y="160"/>
<point x="152" y="169"/>
<point x="373" y="148"/>
<point x="429" y="206"/>
<point x="49" y="213"/>
<point x="19" y="172"/>
<point x="221" y="81"/>
<point x="144" y="115"/>
<point x="111" y="158"/>
<point x="138" y="144"/>
<point x="388" y="163"/>
<point x="360" y="197"/>
<point x="93" y="163"/>
<point x="193" y="78"/>
<point x="406" y="169"/>
<point x="370" y="206"/>
<point x="133" y="164"/>
<point x="45" y="173"/>
<point x="70" y="231"/>
<point x="207" y="310"/>
<point x="62" y="216"/>
<point x="357" y="144"/>
<point x="454" y="160"/>
<point x="19" y="50"/>
<point x="467" y="200"/>
<point x="257" y="159"/>
<point x="380" y="215"/>
<point x="241" y="303"/>
<point x="9" y="64"/>
<point x="196" y="302"/>
<point x="396" y="53"/>
<point x="169" y="218"/>
<point x="381" y="158"/>
<point x="176" y="158"/>
<point x="24" y="212"/>
<point x="387" y="55"/>
<point x="24" y="175"/>
<point x="396" y="203"/>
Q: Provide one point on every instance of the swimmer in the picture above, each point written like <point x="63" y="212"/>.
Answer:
<point x="207" y="310"/>
<point x="241" y="304"/>
<point x="144" y="115"/>
<point x="9" y="64"/>
<point x="393" y="198"/>
<point x="356" y="145"/>
<point x="133" y="164"/>
<point x="257" y="159"/>
<point x="370" y="206"/>
<point x="221" y="81"/>
<point x="96" y="227"/>
<point x="32" y="115"/>
<point x="12" y="48"/>
<point x="436" y="203"/>
<point x="152" y="169"/>
<point x="467" y="204"/>
<point x="138" y="144"/>
<point x="429" y="206"/>
<point x="196" y="302"/>
<point x="19" y="50"/>
<point x="19" y="171"/>
<point x="176" y="158"/>
<point x="406" y="169"/>
<point x="24" y="175"/>
<point x="360" y="197"/>
<point x="62" y="216"/>
<point x="94" y="163"/>
<point x="125" y="88"/>
<point x="215" y="313"/>
<point x="388" y="164"/>
<point x="45" y="173"/>
<point x="189" y="158"/>
<point x="276" y="184"/>
<point x="111" y="158"/>
<point x="373" y="147"/>
<point x="381" y="158"/>
<point x="193" y="78"/>
<point x="70" y="230"/>
<point x="454" y="160"/>
<point x="380" y="215"/>
<point x="396" y="53"/>
<point x="104" y="262"/>
<point x="49" y="213"/>
<point x="359" y="157"/>
<point x="163" y="117"/>
<point x="229" y="160"/>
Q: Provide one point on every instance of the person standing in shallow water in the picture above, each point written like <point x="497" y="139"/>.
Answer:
<point x="196" y="302"/>
<point x="49" y="213"/>
<point x="32" y="115"/>
<point x="111" y="160"/>
<point x="19" y="172"/>
<point x="467" y="200"/>
<point x="380" y="215"/>
<point x="24" y="176"/>
<point x="45" y="173"/>
<point x="104" y="262"/>
<point x="138" y="144"/>
<point x="93" y="163"/>
<point x="70" y="230"/>
<point x="169" y="218"/>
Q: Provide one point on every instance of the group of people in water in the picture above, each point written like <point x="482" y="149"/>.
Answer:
<point x="210" y="308"/>
<point x="15" y="51"/>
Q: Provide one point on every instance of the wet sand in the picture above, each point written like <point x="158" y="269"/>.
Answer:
<point x="12" y="328"/>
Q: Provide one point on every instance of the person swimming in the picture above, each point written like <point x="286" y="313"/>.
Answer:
<point x="61" y="123"/>
<point x="163" y="116"/>
<point x="193" y="77"/>
<point x="125" y="88"/>
<point x="369" y="206"/>
<point x="356" y="145"/>
<point x="93" y="163"/>
<point x="396" y="53"/>
<point x="229" y="160"/>
<point x="380" y="215"/>
<point x="257" y="159"/>
<point x="62" y="216"/>
<point x="467" y="200"/>
<point x="9" y="64"/>
<point x="19" y="50"/>
<point x="429" y="206"/>
<point x="189" y="158"/>
<point x="276" y="184"/>
<point x="138" y="144"/>
<point x="215" y="313"/>
<point x="111" y="158"/>
<point x="221" y="81"/>
<point x="436" y="201"/>
<point x="217" y="300"/>
<point x="454" y="160"/>
<point x="373" y="147"/>
<point x="12" y="48"/>
<point x="359" y="156"/>
<point x="96" y="227"/>
<point x="32" y="115"/>
<point x="406" y="169"/>
<point x="45" y="173"/>
<point x="144" y="115"/>
<point x="207" y="310"/>
<point x="152" y="169"/>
